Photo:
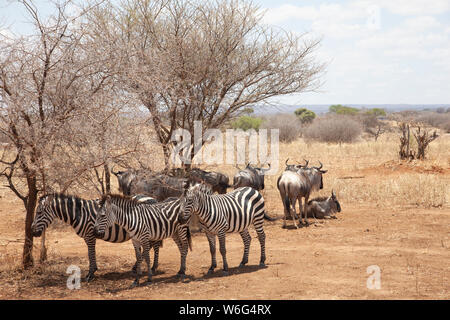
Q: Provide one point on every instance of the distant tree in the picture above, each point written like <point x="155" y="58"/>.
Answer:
<point x="305" y="115"/>
<point x="377" y="112"/>
<point x="246" y="123"/>
<point x="343" y="110"/>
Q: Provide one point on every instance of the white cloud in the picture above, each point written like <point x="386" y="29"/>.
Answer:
<point x="408" y="7"/>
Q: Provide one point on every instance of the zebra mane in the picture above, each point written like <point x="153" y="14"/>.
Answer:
<point x="121" y="197"/>
<point x="201" y="187"/>
<point x="59" y="195"/>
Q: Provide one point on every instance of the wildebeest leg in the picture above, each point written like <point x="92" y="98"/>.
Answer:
<point x="212" y="249"/>
<point x="223" y="251"/>
<point x="293" y="212"/>
<point x="90" y="242"/>
<point x="247" y="239"/>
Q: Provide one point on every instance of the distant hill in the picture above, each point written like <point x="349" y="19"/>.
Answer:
<point x="323" y="108"/>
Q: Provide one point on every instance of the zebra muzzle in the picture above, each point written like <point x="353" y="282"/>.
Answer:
<point x="97" y="233"/>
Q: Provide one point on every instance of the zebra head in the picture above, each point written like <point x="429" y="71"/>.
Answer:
<point x="44" y="215"/>
<point x="335" y="206"/>
<point x="105" y="217"/>
<point x="191" y="199"/>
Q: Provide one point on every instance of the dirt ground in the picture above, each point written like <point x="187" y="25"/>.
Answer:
<point x="325" y="261"/>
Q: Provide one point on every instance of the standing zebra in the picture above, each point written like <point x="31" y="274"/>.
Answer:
<point x="226" y="213"/>
<point x="146" y="223"/>
<point x="81" y="214"/>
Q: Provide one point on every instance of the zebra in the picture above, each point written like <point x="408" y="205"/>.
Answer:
<point x="81" y="214"/>
<point x="225" y="213"/>
<point x="146" y="223"/>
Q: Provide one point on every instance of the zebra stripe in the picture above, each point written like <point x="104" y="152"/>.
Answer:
<point x="145" y="223"/>
<point x="226" y="213"/>
<point x="81" y="215"/>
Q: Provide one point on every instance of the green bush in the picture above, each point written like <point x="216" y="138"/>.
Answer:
<point x="246" y="123"/>
<point x="377" y="112"/>
<point x="343" y="110"/>
<point x="305" y="115"/>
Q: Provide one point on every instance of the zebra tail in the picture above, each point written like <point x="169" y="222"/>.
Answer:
<point x="267" y="217"/>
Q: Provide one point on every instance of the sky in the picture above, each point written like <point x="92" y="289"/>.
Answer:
<point x="376" y="51"/>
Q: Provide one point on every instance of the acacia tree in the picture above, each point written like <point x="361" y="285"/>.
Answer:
<point x="203" y="61"/>
<point x="49" y="82"/>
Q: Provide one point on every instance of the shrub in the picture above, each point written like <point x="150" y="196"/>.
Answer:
<point x="246" y="123"/>
<point x="305" y="115"/>
<point x="290" y="128"/>
<point x="376" y="112"/>
<point x="333" y="129"/>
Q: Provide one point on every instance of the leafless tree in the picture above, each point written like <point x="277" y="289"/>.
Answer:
<point x="203" y="60"/>
<point x="50" y="82"/>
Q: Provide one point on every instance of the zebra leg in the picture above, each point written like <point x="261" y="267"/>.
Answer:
<point x="156" y="246"/>
<point x="146" y="255"/>
<point x="138" y="266"/>
<point x="223" y="252"/>
<point x="212" y="249"/>
<point x="137" y="250"/>
<point x="262" y="242"/>
<point x="92" y="259"/>
<point x="247" y="239"/>
<point x="182" y="244"/>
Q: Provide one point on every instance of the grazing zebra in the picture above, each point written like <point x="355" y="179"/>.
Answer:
<point x="81" y="214"/>
<point x="226" y="213"/>
<point x="146" y="223"/>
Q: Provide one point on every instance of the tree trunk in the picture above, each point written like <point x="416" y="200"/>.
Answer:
<point x="27" y="258"/>
<point x="107" y="178"/>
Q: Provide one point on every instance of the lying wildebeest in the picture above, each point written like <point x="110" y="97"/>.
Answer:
<point x="217" y="180"/>
<point x="250" y="177"/>
<point x="324" y="207"/>
<point x="294" y="186"/>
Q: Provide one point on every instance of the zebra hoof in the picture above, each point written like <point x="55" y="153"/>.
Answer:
<point x="262" y="265"/>
<point x="147" y="283"/>
<point x="225" y="273"/>
<point x="134" y="284"/>
<point x="90" y="277"/>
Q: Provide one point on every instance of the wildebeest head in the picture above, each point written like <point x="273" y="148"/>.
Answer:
<point x="44" y="215"/>
<point x="334" y="203"/>
<point x="295" y="167"/>
<point x="124" y="178"/>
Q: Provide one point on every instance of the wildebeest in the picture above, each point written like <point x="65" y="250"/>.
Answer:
<point x="295" y="167"/>
<point x="157" y="185"/>
<point x="324" y="207"/>
<point x="294" y="186"/>
<point x="250" y="177"/>
<point x="218" y="181"/>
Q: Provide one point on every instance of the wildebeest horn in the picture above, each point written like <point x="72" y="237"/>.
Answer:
<point x="321" y="165"/>
<point x="286" y="163"/>
<point x="333" y="194"/>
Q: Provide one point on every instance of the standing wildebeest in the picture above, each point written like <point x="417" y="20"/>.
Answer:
<point x="324" y="207"/>
<point x="294" y="186"/>
<point x="250" y="177"/>
<point x="157" y="185"/>
<point x="218" y="181"/>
